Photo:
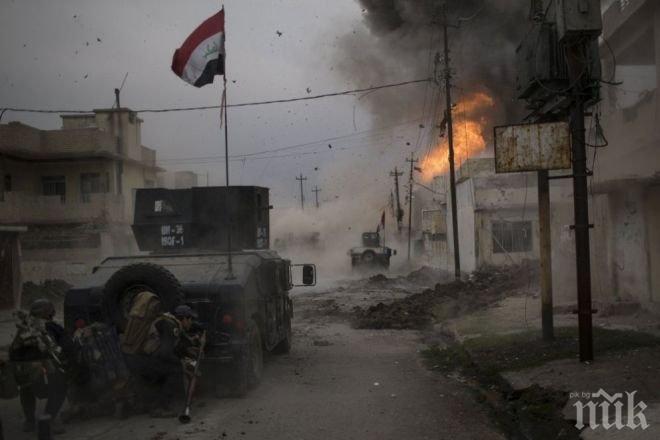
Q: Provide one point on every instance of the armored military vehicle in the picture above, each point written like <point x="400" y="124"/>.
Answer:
<point x="208" y="248"/>
<point x="372" y="253"/>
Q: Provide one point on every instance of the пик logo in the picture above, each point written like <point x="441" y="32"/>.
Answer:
<point x="610" y="405"/>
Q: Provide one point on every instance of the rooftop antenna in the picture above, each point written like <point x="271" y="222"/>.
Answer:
<point x="118" y="91"/>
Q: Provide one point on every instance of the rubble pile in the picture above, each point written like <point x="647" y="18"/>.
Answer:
<point x="428" y="276"/>
<point x="448" y="300"/>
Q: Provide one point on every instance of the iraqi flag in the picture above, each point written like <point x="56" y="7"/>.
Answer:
<point x="202" y="55"/>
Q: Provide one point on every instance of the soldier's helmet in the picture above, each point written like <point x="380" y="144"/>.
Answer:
<point x="42" y="308"/>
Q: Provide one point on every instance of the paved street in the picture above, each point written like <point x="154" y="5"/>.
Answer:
<point x="337" y="383"/>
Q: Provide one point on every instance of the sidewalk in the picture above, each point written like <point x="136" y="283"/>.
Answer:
<point x="505" y="339"/>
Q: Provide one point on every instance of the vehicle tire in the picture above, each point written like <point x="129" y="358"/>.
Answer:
<point x="130" y="280"/>
<point x="368" y="257"/>
<point x="251" y="364"/>
<point x="284" y="347"/>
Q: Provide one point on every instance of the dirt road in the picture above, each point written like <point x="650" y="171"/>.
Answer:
<point x="337" y="383"/>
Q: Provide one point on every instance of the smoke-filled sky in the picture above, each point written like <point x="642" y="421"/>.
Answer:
<point x="71" y="54"/>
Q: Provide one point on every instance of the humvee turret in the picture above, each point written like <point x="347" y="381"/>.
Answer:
<point x="241" y="296"/>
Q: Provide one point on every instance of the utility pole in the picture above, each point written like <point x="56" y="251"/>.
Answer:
<point x="577" y="59"/>
<point x="545" y="238"/>
<point x="399" y="212"/>
<point x="545" y="255"/>
<point x="412" y="161"/>
<point x="302" y="193"/>
<point x="450" y="138"/>
<point x="316" y="191"/>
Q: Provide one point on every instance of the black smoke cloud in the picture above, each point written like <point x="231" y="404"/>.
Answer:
<point x="400" y="41"/>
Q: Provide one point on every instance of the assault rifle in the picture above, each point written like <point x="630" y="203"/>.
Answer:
<point x="32" y="331"/>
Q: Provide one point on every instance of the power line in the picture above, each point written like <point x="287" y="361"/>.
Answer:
<point x="243" y="104"/>
<point x="375" y="131"/>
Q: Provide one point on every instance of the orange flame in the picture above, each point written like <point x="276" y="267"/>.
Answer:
<point x="469" y="127"/>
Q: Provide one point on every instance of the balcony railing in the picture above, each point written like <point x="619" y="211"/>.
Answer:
<point x="26" y="208"/>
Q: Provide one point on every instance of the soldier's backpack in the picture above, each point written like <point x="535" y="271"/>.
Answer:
<point x="145" y="309"/>
<point x="152" y="343"/>
<point x="100" y="357"/>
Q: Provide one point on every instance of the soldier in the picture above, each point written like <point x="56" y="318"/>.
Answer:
<point x="158" y="362"/>
<point x="39" y="353"/>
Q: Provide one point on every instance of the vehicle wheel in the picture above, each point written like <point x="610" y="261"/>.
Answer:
<point x="284" y="347"/>
<point x="368" y="257"/>
<point x="130" y="280"/>
<point x="251" y="365"/>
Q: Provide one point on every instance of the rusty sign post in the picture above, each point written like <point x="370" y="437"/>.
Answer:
<point x="537" y="147"/>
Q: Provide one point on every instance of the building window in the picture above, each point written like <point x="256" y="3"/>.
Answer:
<point x="54" y="186"/>
<point x="512" y="236"/>
<point x="93" y="183"/>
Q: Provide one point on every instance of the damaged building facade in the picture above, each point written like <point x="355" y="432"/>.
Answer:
<point x="626" y="183"/>
<point x="498" y="214"/>
<point x="73" y="190"/>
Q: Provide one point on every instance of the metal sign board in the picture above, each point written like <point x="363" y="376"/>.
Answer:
<point x="532" y="147"/>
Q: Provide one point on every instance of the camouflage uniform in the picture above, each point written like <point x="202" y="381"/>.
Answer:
<point x="39" y="354"/>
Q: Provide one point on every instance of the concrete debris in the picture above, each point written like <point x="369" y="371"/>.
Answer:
<point x="321" y="343"/>
<point x="444" y="301"/>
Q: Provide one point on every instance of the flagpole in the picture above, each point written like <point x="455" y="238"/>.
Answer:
<point x="224" y="110"/>
<point x="230" y="269"/>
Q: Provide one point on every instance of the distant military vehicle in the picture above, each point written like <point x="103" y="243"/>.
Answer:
<point x="371" y="253"/>
<point x="241" y="297"/>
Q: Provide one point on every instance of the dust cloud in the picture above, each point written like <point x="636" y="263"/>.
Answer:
<point x="398" y="41"/>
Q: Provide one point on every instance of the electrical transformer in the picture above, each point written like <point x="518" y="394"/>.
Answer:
<point x="577" y="18"/>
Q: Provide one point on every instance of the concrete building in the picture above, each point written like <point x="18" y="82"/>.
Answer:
<point x="10" y="266"/>
<point x="498" y="216"/>
<point x="177" y="179"/>
<point x="626" y="182"/>
<point x="500" y="212"/>
<point x="73" y="188"/>
<point x="498" y="222"/>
